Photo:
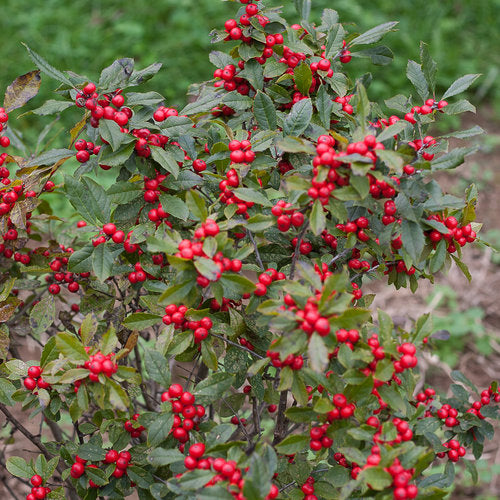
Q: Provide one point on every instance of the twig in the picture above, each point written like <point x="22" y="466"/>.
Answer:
<point x="239" y="420"/>
<point x="144" y="391"/>
<point x="297" y="249"/>
<point x="282" y="422"/>
<point x="356" y="276"/>
<point x="257" y="254"/>
<point x="340" y="255"/>
<point x="237" y="345"/>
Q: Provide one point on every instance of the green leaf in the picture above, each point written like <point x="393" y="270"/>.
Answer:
<point x="428" y="66"/>
<point x="264" y="111"/>
<point x="165" y="159"/>
<point x="42" y="315"/>
<point x="176" y="293"/>
<point x="392" y="397"/>
<point x="334" y="40"/>
<point x="237" y="101"/>
<point x="81" y="260"/>
<point x="102" y="262"/>
<point x="318" y="353"/>
<point x="93" y="207"/>
<point x="49" y="157"/>
<point x="465" y="134"/>
<point x="110" y="132"/>
<point x="160" y="457"/>
<point x="417" y="78"/>
<point x="141" y="321"/>
<point x="259" y="222"/>
<point x="197" y="205"/>
<point x="248" y="194"/>
<point x="453" y="159"/>
<point x="299" y="118"/>
<point x="74" y="374"/>
<point x="213" y="387"/>
<point x="18" y="467"/>
<point x="458" y="86"/>
<point x="237" y="283"/>
<point x="317" y="219"/>
<point x="115" y="158"/>
<point x="157" y="367"/>
<point x="376" y="477"/>
<point x="204" y="103"/>
<point x="207" y="267"/>
<point x="374" y="35"/>
<point x="329" y="19"/>
<point x="413" y="239"/>
<point x="160" y="427"/>
<point x="253" y="72"/>
<point x="293" y="444"/>
<point x="460" y="377"/>
<point x="117" y="74"/>
<point x="71" y="347"/>
<point x="392" y="130"/>
<point x="363" y="107"/>
<point x="52" y="106"/>
<point x="91" y="451"/>
<point x="324" y="105"/>
<point x="46" y="68"/>
<point x="303" y="78"/>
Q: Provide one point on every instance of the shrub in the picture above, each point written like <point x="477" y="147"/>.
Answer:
<point x="236" y="237"/>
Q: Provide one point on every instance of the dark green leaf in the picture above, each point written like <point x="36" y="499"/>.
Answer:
<point x="165" y="159"/>
<point x="417" y="78"/>
<point x="264" y="111"/>
<point x="42" y="315"/>
<point x="458" y="86"/>
<point x="374" y="35"/>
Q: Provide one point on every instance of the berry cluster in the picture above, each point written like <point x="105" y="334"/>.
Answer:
<point x="108" y="106"/>
<point x="266" y="279"/>
<point x="34" y="379"/>
<point x="134" y="430"/>
<point x="120" y="459"/>
<point x="226" y="470"/>
<point x="344" y="101"/>
<point x="176" y="315"/>
<point x="308" y="489"/>
<point x="61" y="275"/>
<point x="455" y="451"/>
<point x="455" y="235"/>
<point x="85" y="150"/>
<point x="430" y="106"/>
<point x="96" y="364"/>
<point x="400" y="479"/>
<point x="228" y="197"/>
<point x="287" y="216"/>
<point x="187" y="414"/>
<point x="294" y="362"/>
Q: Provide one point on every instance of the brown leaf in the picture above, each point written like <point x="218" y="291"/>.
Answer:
<point x="21" y="90"/>
<point x="7" y="308"/>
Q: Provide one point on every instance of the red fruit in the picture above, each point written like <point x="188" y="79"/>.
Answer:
<point x="77" y="470"/>
<point x="34" y="371"/>
<point x="339" y="400"/>
<point x="197" y="450"/>
<point x="36" y="480"/>
<point x="111" y="456"/>
<point x="260" y="289"/>
<point x="122" y="463"/>
<point x="322" y="326"/>
<point x="175" y="390"/>
<point x="297" y="219"/>
<point x="109" y="229"/>
<point x="190" y="463"/>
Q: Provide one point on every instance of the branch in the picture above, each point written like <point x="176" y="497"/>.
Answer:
<point x="237" y="345"/>
<point x="38" y="443"/>
<point x="257" y="254"/>
<point x="296" y="253"/>
<point x="340" y="255"/>
<point x="282" y="422"/>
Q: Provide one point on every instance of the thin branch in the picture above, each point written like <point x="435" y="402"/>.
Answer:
<point x="282" y="421"/>
<point x="257" y="254"/>
<point x="237" y="345"/>
<point x="356" y="276"/>
<point x="340" y="255"/>
<point x="296" y="253"/>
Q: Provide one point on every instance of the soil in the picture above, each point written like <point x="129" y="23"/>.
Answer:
<point x="483" y="292"/>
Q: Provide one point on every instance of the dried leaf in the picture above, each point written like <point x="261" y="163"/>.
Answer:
<point x="21" y="90"/>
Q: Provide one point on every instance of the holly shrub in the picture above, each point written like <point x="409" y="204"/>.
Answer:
<point x="203" y="327"/>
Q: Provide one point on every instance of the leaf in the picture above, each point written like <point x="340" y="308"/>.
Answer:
<point x="46" y="68"/>
<point x="376" y="477"/>
<point x="453" y="159"/>
<point x="21" y="90"/>
<point x="81" y="260"/>
<point x="71" y="347"/>
<point x="115" y="158"/>
<point x="464" y="134"/>
<point x="374" y="35"/>
<point x="259" y="222"/>
<point x="145" y="74"/>
<point x="392" y="130"/>
<point x="413" y="239"/>
<point x="213" y="387"/>
<point x="317" y="219"/>
<point x="392" y="397"/>
<point x="92" y="208"/>
<point x="18" y="467"/>
<point x="165" y="159"/>
<point x="318" y="353"/>
<point x="52" y="106"/>
<point x="264" y="111"/>
<point x="42" y="315"/>
<point x="204" y="103"/>
<point x="324" y="105"/>
<point x="102" y="262"/>
<point x="49" y="157"/>
<point x="334" y="40"/>
<point x="248" y="194"/>
<point x="208" y="268"/>
<point x="417" y="78"/>
<point x="293" y="444"/>
<point x="253" y="73"/>
<point x="111" y="133"/>
<point x="160" y="457"/>
<point x="428" y="66"/>
<point x="460" y="377"/>
<point x="303" y="78"/>
<point x="117" y="74"/>
<point x="380" y="55"/>
<point x="141" y="321"/>
<point x="458" y="86"/>
<point x="299" y="118"/>
<point x="143" y="98"/>
<point x="91" y="451"/>
<point x="176" y="293"/>
<point x="329" y="19"/>
<point x="196" y="205"/>
<point x="237" y="283"/>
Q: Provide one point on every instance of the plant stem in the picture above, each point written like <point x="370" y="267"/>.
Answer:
<point x="296" y="253"/>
